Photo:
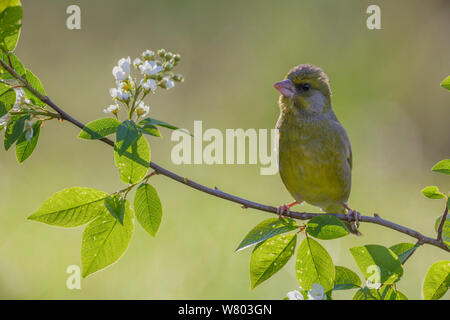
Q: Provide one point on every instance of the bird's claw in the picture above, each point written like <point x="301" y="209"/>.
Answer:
<point x="283" y="210"/>
<point x="353" y="215"/>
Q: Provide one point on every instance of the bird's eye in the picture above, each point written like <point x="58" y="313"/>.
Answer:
<point x="303" y="86"/>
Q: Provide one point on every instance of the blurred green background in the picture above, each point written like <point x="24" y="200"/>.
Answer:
<point x="386" y="93"/>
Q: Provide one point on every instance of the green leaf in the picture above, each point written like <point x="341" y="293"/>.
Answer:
<point x="446" y="83"/>
<point x="148" y="208"/>
<point x="433" y="192"/>
<point x="10" y="23"/>
<point x="14" y="129"/>
<point x="270" y="256"/>
<point x="116" y="206"/>
<point x="25" y="148"/>
<point x="371" y="257"/>
<point x="148" y="122"/>
<point x="436" y="281"/>
<point x="7" y="98"/>
<point x="366" y="294"/>
<point x="100" y="128"/>
<point x="314" y="265"/>
<point x="36" y="84"/>
<point x="386" y="292"/>
<point x="134" y="164"/>
<point x="71" y="207"/>
<point x="15" y="63"/>
<point x="442" y="166"/>
<point x="126" y="135"/>
<point x="150" y="130"/>
<point x="345" y="279"/>
<point x="404" y="250"/>
<point x="105" y="240"/>
<point x="267" y="229"/>
<point x="326" y="227"/>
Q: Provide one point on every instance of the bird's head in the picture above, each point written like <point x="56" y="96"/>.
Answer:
<point x="305" y="90"/>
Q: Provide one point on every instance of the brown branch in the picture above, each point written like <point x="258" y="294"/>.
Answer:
<point x="376" y="219"/>
<point x="441" y="225"/>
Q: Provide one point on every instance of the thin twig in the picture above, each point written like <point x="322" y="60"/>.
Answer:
<point x="220" y="194"/>
<point x="441" y="225"/>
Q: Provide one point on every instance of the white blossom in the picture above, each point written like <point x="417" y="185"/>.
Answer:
<point x="112" y="109"/>
<point x="168" y="83"/>
<point x="142" y="110"/>
<point x="149" y="84"/>
<point x="125" y="65"/>
<point x="137" y="62"/>
<point x="119" y="94"/>
<point x="148" y="54"/>
<point x="119" y="74"/>
<point x="21" y="99"/>
<point x="150" y="68"/>
<point x="29" y="130"/>
<point x="295" y="295"/>
<point x="317" y="292"/>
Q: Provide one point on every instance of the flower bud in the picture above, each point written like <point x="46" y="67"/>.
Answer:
<point x="162" y="53"/>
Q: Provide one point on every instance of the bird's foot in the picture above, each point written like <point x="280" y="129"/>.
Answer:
<point x="285" y="209"/>
<point x="352" y="215"/>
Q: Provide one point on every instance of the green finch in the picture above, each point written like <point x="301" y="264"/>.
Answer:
<point x="314" y="152"/>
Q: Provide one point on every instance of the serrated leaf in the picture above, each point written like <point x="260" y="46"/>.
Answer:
<point x="442" y="166"/>
<point x="126" y="135"/>
<point x="116" y="207"/>
<point x="36" y="84"/>
<point x="71" y="207"/>
<point x="148" y="208"/>
<point x="432" y="192"/>
<point x="10" y="23"/>
<point x="404" y="250"/>
<point x="7" y="98"/>
<point x="345" y="279"/>
<point x="366" y="294"/>
<point x="437" y="281"/>
<point x="270" y="256"/>
<point x="378" y="263"/>
<point x="326" y="227"/>
<point x="446" y="83"/>
<point x="386" y="292"/>
<point x="267" y="229"/>
<point x="14" y="129"/>
<point x="105" y="240"/>
<point x="150" y="130"/>
<point x="25" y="148"/>
<point x="314" y="265"/>
<point x="147" y="122"/>
<point x="99" y="128"/>
<point x="134" y="164"/>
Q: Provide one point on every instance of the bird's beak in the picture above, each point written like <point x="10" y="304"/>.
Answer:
<point x="286" y="88"/>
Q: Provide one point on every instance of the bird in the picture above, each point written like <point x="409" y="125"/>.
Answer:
<point x="314" y="150"/>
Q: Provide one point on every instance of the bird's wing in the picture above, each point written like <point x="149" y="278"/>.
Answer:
<point x="342" y="134"/>
<point x="349" y="156"/>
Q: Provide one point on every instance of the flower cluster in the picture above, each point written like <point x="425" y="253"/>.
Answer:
<point x="317" y="292"/>
<point x="155" y="69"/>
<point x="20" y="104"/>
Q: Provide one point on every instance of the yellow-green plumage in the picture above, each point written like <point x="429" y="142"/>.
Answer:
<point x="314" y="150"/>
